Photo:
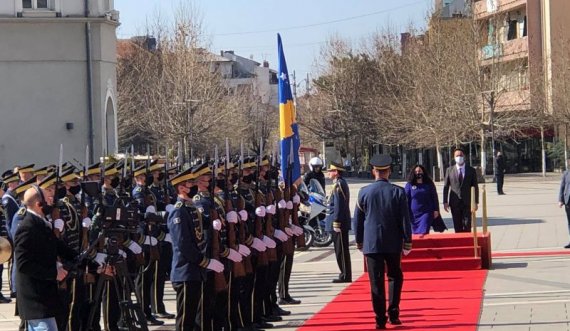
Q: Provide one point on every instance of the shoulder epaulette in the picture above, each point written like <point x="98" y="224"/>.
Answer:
<point x="138" y="189"/>
<point x="22" y="211"/>
<point x="197" y="197"/>
<point x="178" y="204"/>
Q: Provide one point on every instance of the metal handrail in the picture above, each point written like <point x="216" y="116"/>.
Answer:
<point x="474" y="221"/>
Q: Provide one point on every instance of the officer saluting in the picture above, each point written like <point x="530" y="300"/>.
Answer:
<point x="384" y="206"/>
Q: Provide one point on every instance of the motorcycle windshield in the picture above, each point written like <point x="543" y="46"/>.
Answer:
<point x="315" y="187"/>
<point x="303" y="190"/>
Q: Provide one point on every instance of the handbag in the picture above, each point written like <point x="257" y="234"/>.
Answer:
<point x="438" y="225"/>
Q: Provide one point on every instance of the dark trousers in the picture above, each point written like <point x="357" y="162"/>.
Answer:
<point x="188" y="296"/>
<point x="144" y="283"/>
<point x="76" y="306"/>
<point x="377" y="263"/>
<point x="270" y="301"/>
<point x="235" y="313"/>
<point x="567" y="208"/>
<point x="342" y="252"/>
<point x="285" y="276"/>
<point x="213" y="309"/>
<point x="259" y="292"/>
<point x="163" y="266"/>
<point x="110" y="301"/>
<point x="245" y="296"/>
<point x="461" y="214"/>
<point x="500" y="181"/>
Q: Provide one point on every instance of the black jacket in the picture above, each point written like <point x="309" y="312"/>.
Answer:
<point x="36" y="252"/>
<point x="455" y="190"/>
<point x="319" y="176"/>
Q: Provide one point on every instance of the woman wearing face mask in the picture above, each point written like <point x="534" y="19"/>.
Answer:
<point x="422" y="199"/>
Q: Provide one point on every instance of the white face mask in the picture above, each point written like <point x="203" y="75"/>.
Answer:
<point x="459" y="160"/>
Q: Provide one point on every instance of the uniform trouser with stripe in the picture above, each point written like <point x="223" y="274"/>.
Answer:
<point x="245" y="302"/>
<point x="90" y="289"/>
<point x="76" y="306"/>
<point x="144" y="283"/>
<point x="214" y="306"/>
<point x="259" y="292"/>
<point x="272" y="279"/>
<point x="285" y="275"/>
<point x="188" y="296"/>
<point x="162" y="274"/>
<point x="342" y="252"/>
<point x="111" y="308"/>
<point x="235" y="313"/>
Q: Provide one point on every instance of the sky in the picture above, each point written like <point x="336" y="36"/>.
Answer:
<point x="249" y="27"/>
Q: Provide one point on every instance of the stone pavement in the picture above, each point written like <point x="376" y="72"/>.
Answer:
<point x="523" y="293"/>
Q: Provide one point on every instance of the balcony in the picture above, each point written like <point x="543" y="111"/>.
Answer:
<point x="513" y="100"/>
<point x="509" y="51"/>
<point x="485" y="8"/>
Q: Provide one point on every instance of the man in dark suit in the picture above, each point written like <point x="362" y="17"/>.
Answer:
<point x="564" y="197"/>
<point x="338" y="222"/>
<point x="383" y="231"/>
<point x="459" y="179"/>
<point x="500" y="172"/>
<point x="37" y="269"/>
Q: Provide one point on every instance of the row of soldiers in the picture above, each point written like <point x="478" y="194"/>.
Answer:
<point x="224" y="235"/>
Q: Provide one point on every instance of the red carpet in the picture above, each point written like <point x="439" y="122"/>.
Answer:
<point x="436" y="300"/>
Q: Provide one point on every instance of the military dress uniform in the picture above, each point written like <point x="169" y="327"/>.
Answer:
<point x="338" y="222"/>
<point x="383" y="229"/>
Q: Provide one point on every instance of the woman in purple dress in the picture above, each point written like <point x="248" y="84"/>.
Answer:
<point x="422" y="199"/>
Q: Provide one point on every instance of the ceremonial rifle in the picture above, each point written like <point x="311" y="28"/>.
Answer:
<point x="269" y="200"/>
<point x="238" y="269"/>
<point x="220" y="283"/>
<point x="258" y="226"/>
<point x="293" y="191"/>
<point x="241" y="206"/>
<point x="283" y="215"/>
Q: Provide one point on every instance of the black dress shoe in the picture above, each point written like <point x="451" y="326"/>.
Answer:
<point x="395" y="321"/>
<point x="280" y="311"/>
<point x="153" y="321"/>
<point x="13" y="295"/>
<point x="567" y="246"/>
<point x="263" y="325"/>
<point x="3" y="299"/>
<point x="338" y="280"/>
<point x="165" y="315"/>
<point x="272" y="318"/>
<point x="289" y="301"/>
<point x="380" y="326"/>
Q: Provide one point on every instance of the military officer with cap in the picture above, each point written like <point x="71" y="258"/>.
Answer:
<point x="383" y="205"/>
<point x="338" y="221"/>
<point x="25" y="172"/>
<point x="9" y="202"/>
<point x="189" y="263"/>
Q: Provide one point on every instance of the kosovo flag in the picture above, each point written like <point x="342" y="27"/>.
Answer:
<point x="288" y="129"/>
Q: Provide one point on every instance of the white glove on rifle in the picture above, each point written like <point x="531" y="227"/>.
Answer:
<point x="243" y="215"/>
<point x="289" y="231"/>
<point x="297" y="230"/>
<point x="100" y="258"/>
<point x="232" y="217"/>
<point x="280" y="235"/>
<point x="296" y="199"/>
<point x="123" y="254"/>
<point x="282" y="204"/>
<point x="134" y="247"/>
<point x="58" y="224"/>
<point x="217" y="224"/>
<point x="244" y="250"/>
<point x="215" y="265"/>
<point x="150" y="209"/>
<point x="169" y="207"/>
<point x="260" y="211"/>
<point x="289" y="204"/>
<point x="271" y="209"/>
<point x="258" y="245"/>
<point x="150" y="240"/>
<point x="86" y="222"/>
<point x="168" y="238"/>
<point x="61" y="272"/>
<point x="337" y="230"/>
<point x="270" y="243"/>
<point x="234" y="256"/>
<point x="406" y="251"/>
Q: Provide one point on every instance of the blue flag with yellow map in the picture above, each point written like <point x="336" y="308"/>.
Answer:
<point x="288" y="129"/>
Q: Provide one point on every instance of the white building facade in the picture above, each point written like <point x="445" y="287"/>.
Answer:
<point x="57" y="80"/>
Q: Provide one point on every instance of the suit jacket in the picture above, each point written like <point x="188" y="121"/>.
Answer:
<point x="382" y="219"/>
<point x="36" y="252"/>
<point x="454" y="190"/>
<point x="564" y="195"/>
<point x="339" y="209"/>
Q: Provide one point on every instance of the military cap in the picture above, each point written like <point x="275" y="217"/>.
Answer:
<point x="93" y="169"/>
<point x="48" y="181"/>
<point x="185" y="175"/>
<point x="201" y="170"/>
<point x="42" y="171"/>
<point x="24" y="186"/>
<point x="172" y="170"/>
<point x="154" y="166"/>
<point x="111" y="170"/>
<point x="24" y="169"/>
<point x="69" y="175"/>
<point x="381" y="162"/>
<point x="249" y="162"/>
<point x="10" y="176"/>
<point x="336" y="166"/>
<point x="265" y="161"/>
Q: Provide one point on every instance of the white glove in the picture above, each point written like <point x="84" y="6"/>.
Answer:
<point x="123" y="254"/>
<point x="232" y="217"/>
<point x="168" y="238"/>
<point x="258" y="245"/>
<point x="215" y="265"/>
<point x="150" y="240"/>
<point x="244" y="250"/>
<point x="297" y="230"/>
<point x="234" y="256"/>
<point x="86" y="222"/>
<point x="58" y="224"/>
<point x="217" y="224"/>
<point x="134" y="247"/>
<point x="406" y="251"/>
<point x="296" y="199"/>
<point x="270" y="243"/>
<point x="100" y="258"/>
<point x="243" y="215"/>
<point x="150" y="209"/>
<point x="169" y="207"/>
<point x="61" y="273"/>
<point x="271" y="209"/>
<point x="280" y="235"/>
<point x="282" y="204"/>
<point x="260" y="211"/>
<point x="337" y="230"/>
<point x="289" y="204"/>
<point x="289" y="231"/>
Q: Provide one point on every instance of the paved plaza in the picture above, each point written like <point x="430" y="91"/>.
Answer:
<point x="521" y="293"/>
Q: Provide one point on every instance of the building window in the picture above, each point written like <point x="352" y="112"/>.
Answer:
<point x="35" y="4"/>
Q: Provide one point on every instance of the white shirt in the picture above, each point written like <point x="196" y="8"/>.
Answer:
<point x="461" y="170"/>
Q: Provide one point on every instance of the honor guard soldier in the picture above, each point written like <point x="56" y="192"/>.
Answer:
<point x="42" y="173"/>
<point x="9" y="202"/>
<point x="151" y="234"/>
<point x="338" y="221"/>
<point x="189" y="263"/>
<point x="383" y="205"/>
<point x="25" y="172"/>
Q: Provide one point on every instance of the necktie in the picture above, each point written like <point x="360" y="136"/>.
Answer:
<point x="460" y="176"/>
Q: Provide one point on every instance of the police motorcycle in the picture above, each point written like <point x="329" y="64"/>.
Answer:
<point x="312" y="212"/>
